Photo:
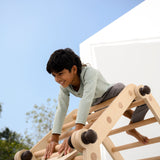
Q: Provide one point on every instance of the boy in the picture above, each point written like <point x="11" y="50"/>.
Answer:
<point x="88" y="84"/>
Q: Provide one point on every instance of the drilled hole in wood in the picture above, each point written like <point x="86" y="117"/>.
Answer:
<point x="109" y="120"/>
<point x="93" y="156"/>
<point x="120" y="105"/>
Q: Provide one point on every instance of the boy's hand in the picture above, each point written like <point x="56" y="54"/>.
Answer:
<point x="50" y="149"/>
<point x="65" y="147"/>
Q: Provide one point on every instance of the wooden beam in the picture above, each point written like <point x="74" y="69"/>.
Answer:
<point x="136" y="144"/>
<point x="133" y="125"/>
<point x="152" y="158"/>
<point x="153" y="106"/>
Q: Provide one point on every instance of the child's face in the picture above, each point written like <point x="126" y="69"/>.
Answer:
<point x="66" y="77"/>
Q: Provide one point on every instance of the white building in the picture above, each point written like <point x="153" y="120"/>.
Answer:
<point x="128" y="51"/>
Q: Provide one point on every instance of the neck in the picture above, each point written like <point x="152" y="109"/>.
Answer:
<point x="76" y="83"/>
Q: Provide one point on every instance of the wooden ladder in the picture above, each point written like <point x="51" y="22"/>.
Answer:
<point x="100" y="121"/>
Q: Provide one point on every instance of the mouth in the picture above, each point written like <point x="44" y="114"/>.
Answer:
<point x="62" y="83"/>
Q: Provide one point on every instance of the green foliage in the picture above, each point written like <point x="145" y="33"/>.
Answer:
<point x="10" y="143"/>
<point x="0" y="108"/>
<point x="41" y="118"/>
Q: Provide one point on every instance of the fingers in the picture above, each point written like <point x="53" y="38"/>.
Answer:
<point x="64" y="147"/>
<point x="50" y="149"/>
<point x="61" y="149"/>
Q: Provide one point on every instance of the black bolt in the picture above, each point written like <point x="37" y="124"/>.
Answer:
<point x="145" y="90"/>
<point x="70" y="143"/>
<point x="27" y="155"/>
<point x="89" y="136"/>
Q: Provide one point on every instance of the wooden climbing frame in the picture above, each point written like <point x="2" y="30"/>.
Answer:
<point x="99" y="127"/>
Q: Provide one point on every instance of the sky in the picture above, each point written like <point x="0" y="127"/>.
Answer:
<point x="30" y="31"/>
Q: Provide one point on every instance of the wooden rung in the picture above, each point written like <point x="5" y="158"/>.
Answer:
<point x="40" y="153"/>
<point x="133" y="125"/>
<point x="69" y="156"/>
<point x="152" y="158"/>
<point x="108" y="102"/>
<point x="90" y="117"/>
<point x="136" y="103"/>
<point x="78" y="158"/>
<point x="69" y="133"/>
<point x="101" y="105"/>
<point x="136" y="144"/>
<point x="68" y="125"/>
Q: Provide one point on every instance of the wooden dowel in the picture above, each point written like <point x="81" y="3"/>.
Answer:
<point x="55" y="154"/>
<point x="133" y="125"/>
<point x="69" y="133"/>
<point x="94" y="115"/>
<point x="41" y="153"/>
<point x="101" y="105"/>
<point x="78" y="158"/>
<point x="98" y="107"/>
<point x="136" y="144"/>
<point x="90" y="117"/>
<point x="136" y="103"/>
<point x="65" y="134"/>
<point x="152" y="158"/>
<point x="104" y="105"/>
<point x="68" y="125"/>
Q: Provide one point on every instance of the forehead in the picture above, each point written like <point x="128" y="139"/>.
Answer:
<point x="64" y="70"/>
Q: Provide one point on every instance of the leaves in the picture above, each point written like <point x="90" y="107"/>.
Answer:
<point x="41" y="119"/>
<point x="10" y="143"/>
<point x="0" y="108"/>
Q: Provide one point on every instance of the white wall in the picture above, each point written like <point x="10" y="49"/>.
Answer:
<point x="128" y="51"/>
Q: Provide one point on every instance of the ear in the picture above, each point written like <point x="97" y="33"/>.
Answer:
<point x="74" y="69"/>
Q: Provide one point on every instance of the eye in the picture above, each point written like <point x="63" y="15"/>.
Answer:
<point x="60" y="73"/>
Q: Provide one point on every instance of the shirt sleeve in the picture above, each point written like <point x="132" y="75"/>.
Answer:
<point x="90" y="83"/>
<point x="63" y="103"/>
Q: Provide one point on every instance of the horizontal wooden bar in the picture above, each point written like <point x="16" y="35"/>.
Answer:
<point x="152" y="158"/>
<point x="101" y="105"/>
<point x="136" y="144"/>
<point x="136" y="103"/>
<point x="41" y="153"/>
<point x="133" y="125"/>
<point x="78" y="158"/>
<point x="105" y="104"/>
<point x="90" y="117"/>
<point x="69" y="125"/>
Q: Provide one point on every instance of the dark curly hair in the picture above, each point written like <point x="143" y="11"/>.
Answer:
<point x="63" y="59"/>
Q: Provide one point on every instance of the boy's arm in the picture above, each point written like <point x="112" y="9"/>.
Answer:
<point x="90" y="83"/>
<point x="63" y="102"/>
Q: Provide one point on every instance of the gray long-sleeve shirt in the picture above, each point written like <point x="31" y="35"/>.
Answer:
<point x="92" y="86"/>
